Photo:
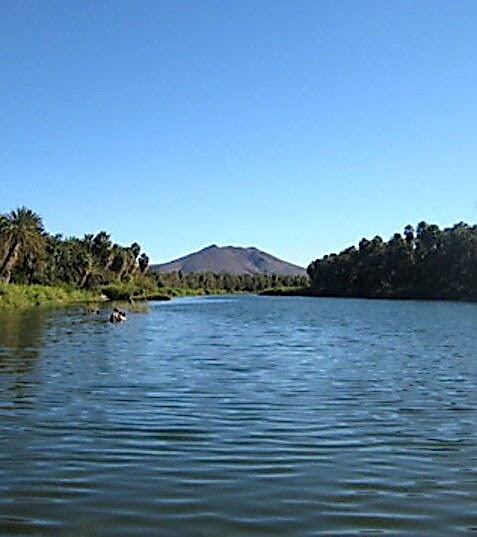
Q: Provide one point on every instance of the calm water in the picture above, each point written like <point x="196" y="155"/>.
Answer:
<point x="241" y="416"/>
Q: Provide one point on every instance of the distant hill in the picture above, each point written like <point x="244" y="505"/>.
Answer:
<point x="230" y="260"/>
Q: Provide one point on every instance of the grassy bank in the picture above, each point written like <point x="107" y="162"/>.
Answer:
<point x="127" y="292"/>
<point x="21" y="296"/>
<point x="131" y="291"/>
<point x="24" y="296"/>
<point x="184" y="291"/>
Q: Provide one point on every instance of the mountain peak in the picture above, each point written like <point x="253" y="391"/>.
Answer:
<point x="230" y="260"/>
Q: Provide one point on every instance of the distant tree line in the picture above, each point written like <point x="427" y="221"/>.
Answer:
<point x="425" y="262"/>
<point x="248" y="283"/>
<point x="28" y="255"/>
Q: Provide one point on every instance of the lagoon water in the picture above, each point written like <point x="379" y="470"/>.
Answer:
<point x="241" y="416"/>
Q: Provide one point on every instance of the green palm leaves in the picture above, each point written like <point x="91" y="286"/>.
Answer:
<point x="21" y="236"/>
<point x="29" y="255"/>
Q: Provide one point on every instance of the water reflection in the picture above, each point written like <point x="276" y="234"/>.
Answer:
<point x="21" y="329"/>
<point x="20" y="343"/>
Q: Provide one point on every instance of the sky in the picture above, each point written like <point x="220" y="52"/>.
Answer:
<point x="296" y="126"/>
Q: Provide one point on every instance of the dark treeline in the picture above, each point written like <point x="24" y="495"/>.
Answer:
<point x="232" y="283"/>
<point x="29" y="255"/>
<point x="425" y="262"/>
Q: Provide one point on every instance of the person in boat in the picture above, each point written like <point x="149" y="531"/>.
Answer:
<point x="117" y="316"/>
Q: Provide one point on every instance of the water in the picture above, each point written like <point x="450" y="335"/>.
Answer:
<point x="241" y="416"/>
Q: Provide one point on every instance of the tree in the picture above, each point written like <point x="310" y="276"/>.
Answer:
<point x="21" y="232"/>
<point x="143" y="263"/>
<point x="101" y="248"/>
<point x="429" y="263"/>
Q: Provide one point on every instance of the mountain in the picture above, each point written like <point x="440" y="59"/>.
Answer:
<point x="231" y="260"/>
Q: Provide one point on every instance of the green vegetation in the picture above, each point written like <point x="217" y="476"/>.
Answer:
<point x="29" y="255"/>
<point x="185" y="291"/>
<point x="214" y="283"/>
<point x="19" y="296"/>
<point x="423" y="263"/>
<point x="140" y="287"/>
<point x="39" y="268"/>
<point x="286" y="291"/>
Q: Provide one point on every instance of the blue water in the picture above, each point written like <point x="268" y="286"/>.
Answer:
<point x="241" y="416"/>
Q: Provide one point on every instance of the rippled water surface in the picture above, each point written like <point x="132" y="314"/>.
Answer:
<point x="241" y="416"/>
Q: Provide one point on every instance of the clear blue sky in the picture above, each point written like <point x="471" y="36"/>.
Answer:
<point x="294" y="126"/>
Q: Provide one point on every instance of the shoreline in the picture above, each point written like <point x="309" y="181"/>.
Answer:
<point x="16" y="296"/>
<point x="19" y="296"/>
<point x="310" y="293"/>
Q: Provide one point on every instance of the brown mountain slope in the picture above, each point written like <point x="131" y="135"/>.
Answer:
<point x="231" y="260"/>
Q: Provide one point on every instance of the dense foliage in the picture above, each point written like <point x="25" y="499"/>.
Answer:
<point x="231" y="283"/>
<point x="29" y="255"/>
<point x="423" y="263"/>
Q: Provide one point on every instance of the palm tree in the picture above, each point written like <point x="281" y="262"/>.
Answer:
<point x="132" y="253"/>
<point x="143" y="263"/>
<point x="101" y="248"/>
<point x="120" y="261"/>
<point x="21" y="231"/>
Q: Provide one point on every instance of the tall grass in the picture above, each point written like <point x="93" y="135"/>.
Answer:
<point x="132" y="291"/>
<point x="184" y="291"/>
<point x="20" y="296"/>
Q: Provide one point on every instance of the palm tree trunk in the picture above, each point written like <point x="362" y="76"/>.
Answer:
<point x="8" y="262"/>
<point x="109" y="261"/>
<point x="85" y="277"/>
